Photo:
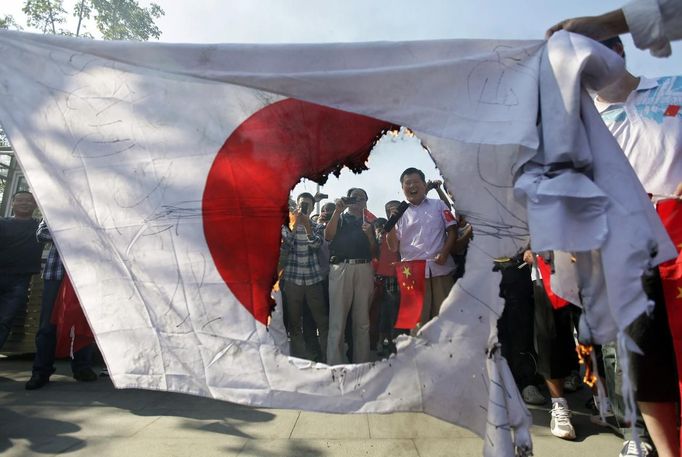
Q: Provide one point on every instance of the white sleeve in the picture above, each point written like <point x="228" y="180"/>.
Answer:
<point x="654" y="23"/>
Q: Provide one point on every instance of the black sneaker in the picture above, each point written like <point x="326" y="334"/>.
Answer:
<point x="85" y="375"/>
<point x="37" y="381"/>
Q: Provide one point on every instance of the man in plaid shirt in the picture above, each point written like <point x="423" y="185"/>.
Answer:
<point x="302" y="279"/>
<point x="46" y="338"/>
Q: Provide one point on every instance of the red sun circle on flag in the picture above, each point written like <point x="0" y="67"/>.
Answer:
<point x="247" y="188"/>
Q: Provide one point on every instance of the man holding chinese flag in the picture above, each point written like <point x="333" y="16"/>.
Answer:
<point x="424" y="235"/>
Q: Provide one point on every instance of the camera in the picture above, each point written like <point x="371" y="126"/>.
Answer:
<point x="349" y="200"/>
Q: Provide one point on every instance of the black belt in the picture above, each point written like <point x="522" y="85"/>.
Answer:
<point x="335" y="261"/>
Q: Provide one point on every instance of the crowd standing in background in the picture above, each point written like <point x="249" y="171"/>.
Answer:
<point x="22" y="239"/>
<point x="348" y="256"/>
<point x="20" y="253"/>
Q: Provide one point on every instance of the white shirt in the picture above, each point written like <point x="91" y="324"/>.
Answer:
<point x="648" y="127"/>
<point x="654" y="24"/>
<point x="422" y="233"/>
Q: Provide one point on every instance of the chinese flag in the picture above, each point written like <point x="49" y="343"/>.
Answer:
<point x="410" y="275"/>
<point x="369" y="216"/>
<point x="73" y="331"/>
<point x="670" y="212"/>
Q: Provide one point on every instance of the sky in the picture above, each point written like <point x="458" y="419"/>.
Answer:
<point x="306" y="21"/>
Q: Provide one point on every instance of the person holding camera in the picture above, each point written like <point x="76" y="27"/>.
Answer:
<point x="351" y="276"/>
<point x="302" y="279"/>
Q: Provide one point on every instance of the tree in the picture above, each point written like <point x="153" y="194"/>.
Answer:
<point x="115" y="19"/>
<point x="126" y="20"/>
<point x="8" y="22"/>
<point x="45" y="15"/>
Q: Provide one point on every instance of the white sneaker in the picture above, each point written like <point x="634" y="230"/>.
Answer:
<point x="532" y="395"/>
<point x="560" y="425"/>
<point x="630" y="449"/>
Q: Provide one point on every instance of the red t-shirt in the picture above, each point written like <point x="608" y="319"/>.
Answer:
<point x="387" y="259"/>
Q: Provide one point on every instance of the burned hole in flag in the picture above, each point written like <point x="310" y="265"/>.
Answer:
<point x="344" y="292"/>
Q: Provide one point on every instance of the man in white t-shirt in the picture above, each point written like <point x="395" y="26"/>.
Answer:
<point x="426" y="231"/>
<point x="645" y="117"/>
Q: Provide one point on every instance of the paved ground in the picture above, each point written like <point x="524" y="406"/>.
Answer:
<point x="96" y="420"/>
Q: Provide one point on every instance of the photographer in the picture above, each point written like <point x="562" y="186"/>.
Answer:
<point x="302" y="280"/>
<point x="351" y="276"/>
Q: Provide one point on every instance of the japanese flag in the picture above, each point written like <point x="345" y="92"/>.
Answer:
<point x="163" y="171"/>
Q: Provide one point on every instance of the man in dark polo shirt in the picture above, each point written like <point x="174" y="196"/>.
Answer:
<point x="19" y="259"/>
<point x="351" y="276"/>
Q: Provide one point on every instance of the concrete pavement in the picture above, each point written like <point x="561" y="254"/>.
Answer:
<point x="96" y="420"/>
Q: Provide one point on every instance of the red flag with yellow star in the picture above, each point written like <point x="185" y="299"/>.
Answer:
<point x="410" y="275"/>
<point x="670" y="212"/>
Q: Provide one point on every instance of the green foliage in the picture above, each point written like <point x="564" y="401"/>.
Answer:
<point x="8" y="22"/>
<point x="82" y="11"/>
<point x="115" y="19"/>
<point x="45" y="15"/>
<point x="126" y="20"/>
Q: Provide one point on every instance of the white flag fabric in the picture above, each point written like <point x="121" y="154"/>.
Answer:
<point x="150" y="161"/>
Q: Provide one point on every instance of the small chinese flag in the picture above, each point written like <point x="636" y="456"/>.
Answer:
<point x="410" y="276"/>
<point x="369" y="216"/>
<point x="73" y="331"/>
<point x="448" y="216"/>
<point x="670" y="212"/>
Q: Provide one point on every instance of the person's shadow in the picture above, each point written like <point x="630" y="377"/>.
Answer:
<point x="56" y="433"/>
<point x="51" y="436"/>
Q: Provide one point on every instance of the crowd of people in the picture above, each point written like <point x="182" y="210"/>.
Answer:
<point x="340" y="293"/>
<point x="22" y="240"/>
<point x="538" y="330"/>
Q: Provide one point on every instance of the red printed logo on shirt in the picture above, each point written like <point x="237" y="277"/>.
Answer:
<point x="448" y="216"/>
<point x="672" y="110"/>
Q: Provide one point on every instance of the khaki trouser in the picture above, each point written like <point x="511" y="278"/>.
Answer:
<point x="350" y="290"/>
<point x="436" y="289"/>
